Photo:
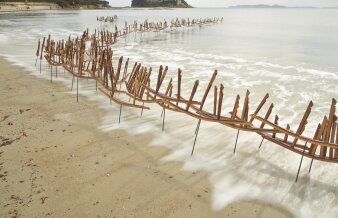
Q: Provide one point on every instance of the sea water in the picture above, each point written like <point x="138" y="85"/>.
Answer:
<point x="289" y="53"/>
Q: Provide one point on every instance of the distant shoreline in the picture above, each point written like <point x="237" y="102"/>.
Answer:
<point x="36" y="6"/>
<point x="32" y="6"/>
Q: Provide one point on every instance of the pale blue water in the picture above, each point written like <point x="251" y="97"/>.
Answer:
<point x="290" y="53"/>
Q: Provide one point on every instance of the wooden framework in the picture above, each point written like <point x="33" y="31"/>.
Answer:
<point x="107" y="19"/>
<point x="96" y="63"/>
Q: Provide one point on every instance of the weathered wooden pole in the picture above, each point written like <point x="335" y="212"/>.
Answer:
<point x="263" y="124"/>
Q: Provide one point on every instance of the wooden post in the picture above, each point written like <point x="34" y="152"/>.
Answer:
<point x="303" y="123"/>
<point x="259" y="106"/>
<point x="317" y="135"/>
<point x="220" y="101"/>
<point x="192" y="95"/>
<point x="208" y="89"/>
<point x="234" y="111"/>
<point x="215" y="100"/>
<point x="267" y="116"/>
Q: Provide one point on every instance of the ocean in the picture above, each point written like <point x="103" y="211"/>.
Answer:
<point x="289" y="53"/>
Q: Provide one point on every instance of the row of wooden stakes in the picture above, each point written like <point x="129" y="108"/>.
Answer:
<point x="119" y="84"/>
<point x="174" y="24"/>
<point x="107" y="19"/>
<point x="59" y="51"/>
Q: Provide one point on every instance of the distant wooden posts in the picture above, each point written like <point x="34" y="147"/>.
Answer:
<point x="107" y="19"/>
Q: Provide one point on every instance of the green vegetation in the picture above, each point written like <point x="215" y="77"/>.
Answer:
<point x="67" y="3"/>
<point x="159" y="3"/>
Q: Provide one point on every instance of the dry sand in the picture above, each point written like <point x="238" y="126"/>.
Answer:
<point x="50" y="166"/>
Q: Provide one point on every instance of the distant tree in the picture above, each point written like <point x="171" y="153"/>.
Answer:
<point x="137" y="2"/>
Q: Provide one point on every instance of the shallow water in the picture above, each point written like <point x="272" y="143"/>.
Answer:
<point x="290" y="53"/>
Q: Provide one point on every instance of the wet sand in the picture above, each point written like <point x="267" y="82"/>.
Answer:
<point x="55" y="163"/>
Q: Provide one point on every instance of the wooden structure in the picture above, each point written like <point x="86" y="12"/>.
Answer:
<point x="96" y="63"/>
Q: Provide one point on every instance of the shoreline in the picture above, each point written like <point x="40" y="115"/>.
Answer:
<point x="39" y="6"/>
<point x="54" y="162"/>
<point x="33" y="6"/>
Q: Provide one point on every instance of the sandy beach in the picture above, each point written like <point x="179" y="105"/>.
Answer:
<point x="55" y="163"/>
